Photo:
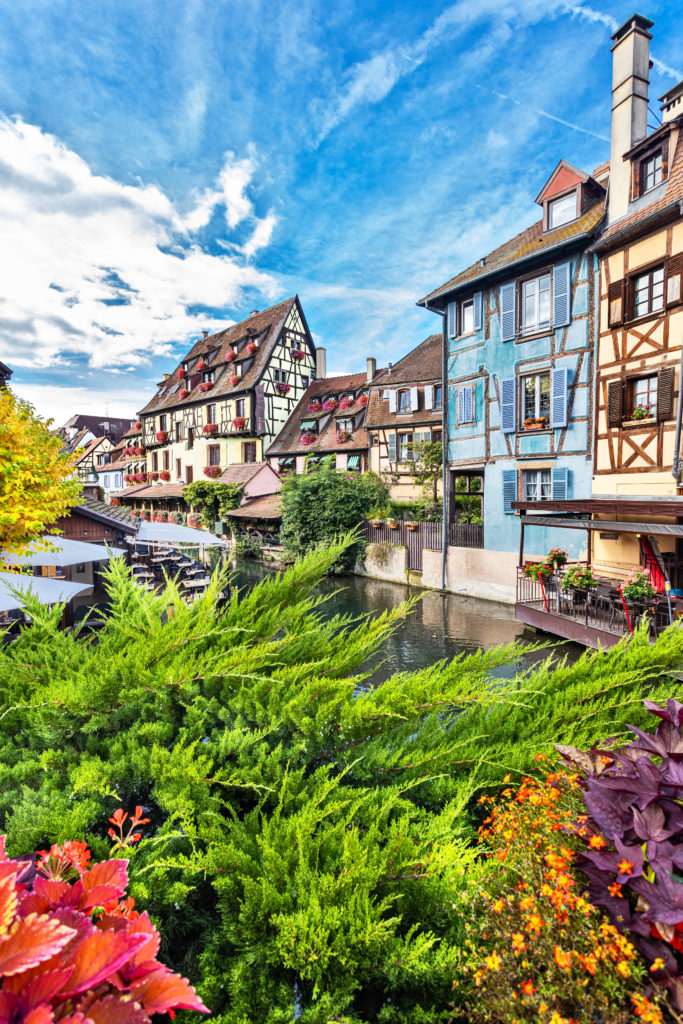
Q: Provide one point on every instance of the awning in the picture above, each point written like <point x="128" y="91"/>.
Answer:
<point x="353" y="462"/>
<point x="285" y="461"/>
<point x="66" y="552"/>
<point x="604" y="525"/>
<point x="167" y="533"/>
<point x="308" y="425"/>
<point x="48" y="591"/>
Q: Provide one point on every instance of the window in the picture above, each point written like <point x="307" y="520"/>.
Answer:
<point x="188" y="474"/>
<point x="404" y="401"/>
<point x="190" y="437"/>
<point x="280" y="376"/>
<point x="208" y="376"/>
<point x="642" y="396"/>
<point x="535" y="304"/>
<point x="211" y="413"/>
<point x="214" y="454"/>
<point x="167" y="459"/>
<point x="437" y="396"/>
<point x="536" y="397"/>
<point x="437" y="437"/>
<point x="467" y="317"/>
<point x="405" y="442"/>
<point x="155" y="462"/>
<point x="562" y="210"/>
<point x="249" y="451"/>
<point x="648" y="292"/>
<point x="651" y="171"/>
<point x="537" y="485"/>
<point x="179" y="431"/>
<point x="345" y="423"/>
<point x="239" y="407"/>
<point x="178" y="469"/>
<point x="162" y="422"/>
<point x="305" y="381"/>
<point x="374" y="439"/>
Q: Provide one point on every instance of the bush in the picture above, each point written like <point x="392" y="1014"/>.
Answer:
<point x="246" y="545"/>
<point x="212" y="499"/>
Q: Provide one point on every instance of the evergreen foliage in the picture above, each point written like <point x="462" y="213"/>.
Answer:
<point x="317" y="507"/>
<point x="310" y="837"/>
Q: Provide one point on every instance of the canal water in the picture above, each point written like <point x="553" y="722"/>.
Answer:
<point x="439" y="627"/>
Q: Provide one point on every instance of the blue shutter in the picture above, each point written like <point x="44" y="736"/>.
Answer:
<point x="507" y="404"/>
<point x="509" y="490"/>
<point x="478" y="300"/>
<point x="507" y="311"/>
<point x="560" y="484"/>
<point x="392" y="447"/>
<point x="469" y="404"/>
<point x="558" y="397"/>
<point x="561" y="295"/>
<point x="460" y="414"/>
<point x="452" y="319"/>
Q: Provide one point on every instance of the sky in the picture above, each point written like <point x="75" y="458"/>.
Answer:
<point x="167" y="167"/>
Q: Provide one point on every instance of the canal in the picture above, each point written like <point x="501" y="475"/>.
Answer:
<point x="439" y="627"/>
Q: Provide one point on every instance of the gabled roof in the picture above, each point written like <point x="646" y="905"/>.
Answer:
<point x="267" y="507"/>
<point x="563" y="177"/>
<point x="524" y="247"/>
<point x="242" y="473"/>
<point x="116" y="517"/>
<point x="117" y="425"/>
<point x="420" y="366"/>
<point x="288" y="441"/>
<point x="264" y="327"/>
<point x="90" y="448"/>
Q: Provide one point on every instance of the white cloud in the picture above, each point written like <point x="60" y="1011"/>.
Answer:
<point x="58" y="402"/>
<point x="93" y="268"/>
<point x="261" y="236"/>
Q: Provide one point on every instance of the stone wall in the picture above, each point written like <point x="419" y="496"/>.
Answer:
<point x="385" y="561"/>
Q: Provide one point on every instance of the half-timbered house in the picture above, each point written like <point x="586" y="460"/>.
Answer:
<point x="405" y="407"/>
<point x="328" y="421"/>
<point x="229" y="397"/>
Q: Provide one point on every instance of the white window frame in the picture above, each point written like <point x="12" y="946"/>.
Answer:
<point x="466" y="309"/>
<point x="535" y="482"/>
<point x="533" y="327"/>
<point x="562" y="202"/>
<point x="403" y="446"/>
<point x="537" y="396"/>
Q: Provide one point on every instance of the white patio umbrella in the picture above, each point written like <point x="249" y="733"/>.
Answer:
<point x="168" y="533"/>
<point x="65" y="552"/>
<point x="47" y="591"/>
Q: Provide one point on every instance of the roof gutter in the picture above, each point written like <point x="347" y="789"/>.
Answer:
<point x="664" y="214"/>
<point x="444" y="441"/>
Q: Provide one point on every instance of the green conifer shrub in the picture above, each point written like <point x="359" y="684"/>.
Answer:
<point x="310" y="837"/>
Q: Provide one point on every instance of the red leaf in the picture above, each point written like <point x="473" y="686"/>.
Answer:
<point x="34" y="987"/>
<point x="143" y="926"/>
<point x="9" y="898"/>
<point x="41" y="1015"/>
<point x="31" y="940"/>
<point x="105" y="881"/>
<point x="114" y="1009"/>
<point x="163" y="991"/>
<point x="100" y="955"/>
<point x="54" y="893"/>
<point x="7" y="1003"/>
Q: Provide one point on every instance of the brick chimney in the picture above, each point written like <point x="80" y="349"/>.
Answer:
<point x="206" y="334"/>
<point x="320" y="363"/>
<point x="630" y="80"/>
<point x="372" y="369"/>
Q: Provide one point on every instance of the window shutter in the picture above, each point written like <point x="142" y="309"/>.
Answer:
<point x="507" y="404"/>
<point x="629" y="303"/>
<point x="392" y="447"/>
<point x="509" y="490"/>
<point x="674" y="284"/>
<point x="478" y="304"/>
<point x="614" y="396"/>
<point x="560" y="484"/>
<point x="452" y="317"/>
<point x="469" y="404"/>
<point x="507" y="311"/>
<point x="392" y="401"/>
<point x="461" y="406"/>
<point x="615" y="300"/>
<point x="558" y="397"/>
<point x="561" y="295"/>
<point x="429" y="396"/>
<point x="414" y="400"/>
<point x="665" y="393"/>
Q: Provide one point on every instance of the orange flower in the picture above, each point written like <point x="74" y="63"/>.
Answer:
<point x="657" y="965"/>
<point x="493" y="962"/>
<point x="615" y="889"/>
<point x="528" y="987"/>
<point x="623" y="969"/>
<point x="597" y="842"/>
<point x="562" y="959"/>
<point x="498" y="906"/>
<point x="625" y="867"/>
<point x="534" y="924"/>
<point x="517" y="943"/>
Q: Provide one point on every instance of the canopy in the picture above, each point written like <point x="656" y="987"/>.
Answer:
<point x="48" y="591"/>
<point x="169" y="533"/>
<point x="66" y="552"/>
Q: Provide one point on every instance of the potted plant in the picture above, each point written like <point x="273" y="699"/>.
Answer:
<point x="638" y="587"/>
<point x="210" y="429"/>
<point x="161" y="436"/>
<point x="138" y="425"/>
<point x="230" y="355"/>
<point x="411" y="524"/>
<point x="234" y="381"/>
<point x="392" y="523"/>
<point x="282" y="387"/>
<point x="343" y="436"/>
<point x="640" y="412"/>
<point x="164" y="475"/>
<point x="329" y="404"/>
<point x="308" y="438"/>
<point x="579" y="577"/>
<point x="297" y="353"/>
<point x="314" y="406"/>
<point x="201" y="365"/>
<point x="212" y="471"/>
<point x="239" y="423"/>
<point x="376" y="521"/>
<point x="363" y="401"/>
<point x="538" y="571"/>
<point x="535" y="422"/>
<point x="346" y="402"/>
<point x="557" y="557"/>
<point x="183" y="393"/>
<point x="206" y="385"/>
<point x="153" y="476"/>
<point x="180" y="373"/>
<point x="115" y="502"/>
<point x="252" y="347"/>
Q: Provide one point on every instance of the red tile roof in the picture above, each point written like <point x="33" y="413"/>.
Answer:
<point x="267" y="507"/>
<point x="420" y="366"/>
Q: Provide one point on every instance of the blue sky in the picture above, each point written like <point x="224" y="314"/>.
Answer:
<point x="169" y="166"/>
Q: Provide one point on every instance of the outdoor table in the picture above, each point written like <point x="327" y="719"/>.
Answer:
<point x="158" y="559"/>
<point x="193" y="584"/>
<point x="195" y="572"/>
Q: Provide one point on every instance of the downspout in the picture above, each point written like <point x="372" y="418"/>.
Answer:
<point x="444" y="441"/>
<point x="676" y="469"/>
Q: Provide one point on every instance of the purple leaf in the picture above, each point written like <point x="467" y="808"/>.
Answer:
<point x="673" y="712"/>
<point x="650" y="823"/>
<point x="665" y="898"/>
<point x="611" y="812"/>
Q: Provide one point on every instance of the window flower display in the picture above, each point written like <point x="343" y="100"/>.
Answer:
<point x="234" y="381"/>
<point x="183" y="393"/>
<point x="230" y="355"/>
<point x="180" y="373"/>
<point x="347" y="401"/>
<point x="140" y="478"/>
<point x="210" y="429"/>
<point x="137" y="425"/>
<point x="297" y="353"/>
<point x="314" y="406"/>
<point x="240" y="423"/>
<point x="344" y="436"/>
<point x="308" y="438"/>
<point x="282" y="388"/>
<point x="164" y="475"/>
<point x="206" y="385"/>
<point x="161" y="436"/>
<point x="363" y="401"/>
<point x="212" y="471"/>
<point x="329" y="404"/>
<point x="201" y="365"/>
<point x="252" y="347"/>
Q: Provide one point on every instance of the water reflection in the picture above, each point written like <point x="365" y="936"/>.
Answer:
<point x="439" y="627"/>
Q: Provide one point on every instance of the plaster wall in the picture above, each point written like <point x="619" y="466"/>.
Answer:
<point x="386" y="562"/>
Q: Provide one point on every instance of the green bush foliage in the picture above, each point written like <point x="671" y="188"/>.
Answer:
<point x="318" y="507"/>
<point x="310" y="843"/>
<point x="212" y="499"/>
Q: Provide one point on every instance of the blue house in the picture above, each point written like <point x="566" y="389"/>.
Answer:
<point x="520" y="326"/>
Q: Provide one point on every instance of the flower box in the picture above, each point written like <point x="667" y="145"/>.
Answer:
<point x="392" y="524"/>
<point x="152" y="476"/>
<point x="183" y="393"/>
<point x="363" y="401"/>
<point x="201" y="365"/>
<point x="410" y="525"/>
<point x="128" y="478"/>
<point x="640" y="412"/>
<point x="343" y="436"/>
<point x="329" y="404"/>
<point x="297" y="353"/>
<point x="535" y="424"/>
<point x="234" y="381"/>
<point x="164" y="475"/>
<point x="180" y="374"/>
<point x="137" y="425"/>
<point x="308" y="438"/>
<point x="314" y="406"/>
<point x="282" y="388"/>
<point x="252" y="347"/>
<point x="206" y="385"/>
<point x="161" y="436"/>
<point x="346" y="402"/>
<point x="230" y="355"/>
<point x="212" y="471"/>
<point x="115" y="502"/>
<point x="140" y="478"/>
<point x="376" y="523"/>
<point x="240" y="423"/>
<point x="210" y="429"/>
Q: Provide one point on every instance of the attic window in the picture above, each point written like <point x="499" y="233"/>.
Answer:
<point x="562" y="210"/>
<point x="651" y="171"/>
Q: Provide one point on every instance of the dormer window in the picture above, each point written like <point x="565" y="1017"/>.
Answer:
<point x="208" y="376"/>
<point x="651" y="171"/>
<point x="562" y="210"/>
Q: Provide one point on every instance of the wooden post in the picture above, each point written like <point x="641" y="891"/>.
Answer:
<point x="521" y="544"/>
<point x="589" y="546"/>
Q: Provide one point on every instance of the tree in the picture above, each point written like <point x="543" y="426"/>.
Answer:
<point x="318" y="507"/>
<point x="212" y="499"/>
<point x="35" y="484"/>
<point x="427" y="463"/>
<point x="308" y="849"/>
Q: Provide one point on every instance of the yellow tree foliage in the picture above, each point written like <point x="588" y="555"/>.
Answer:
<point x="35" y="489"/>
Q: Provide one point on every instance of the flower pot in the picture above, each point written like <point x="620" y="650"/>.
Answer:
<point x="411" y="526"/>
<point x="392" y="524"/>
<point x="376" y="523"/>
